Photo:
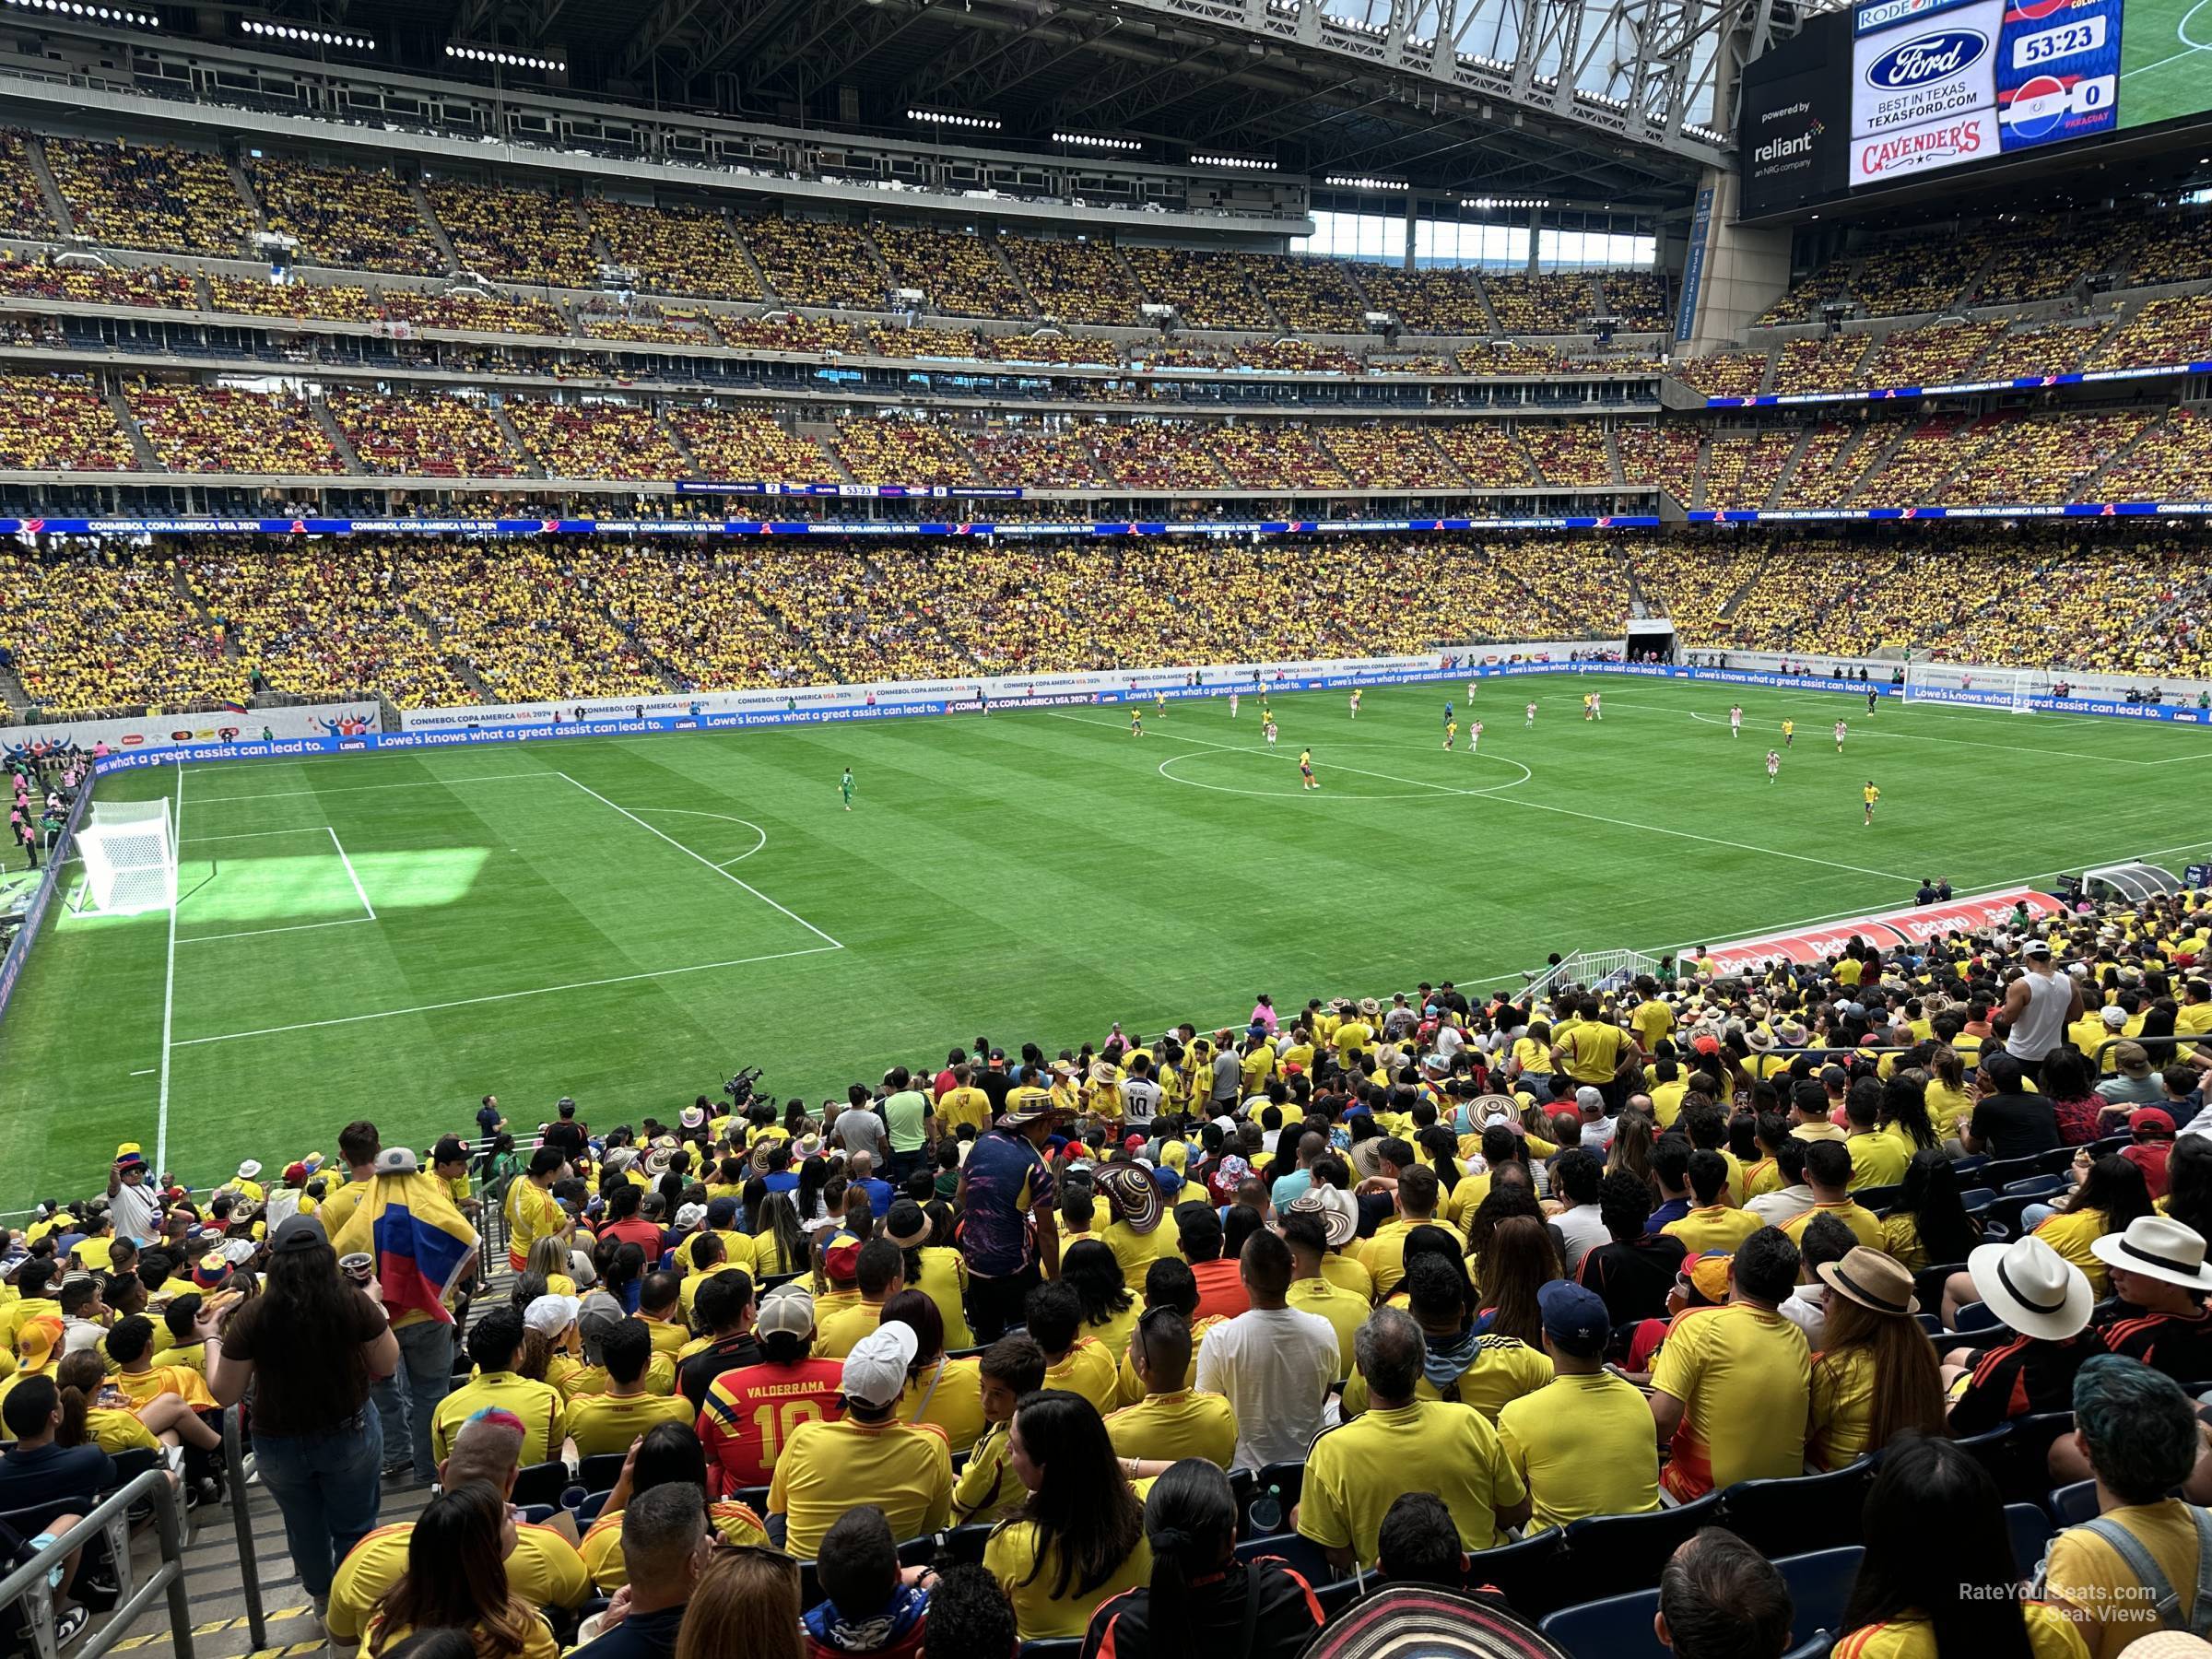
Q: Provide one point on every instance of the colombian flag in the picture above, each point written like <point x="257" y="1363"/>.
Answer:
<point x="422" y="1244"/>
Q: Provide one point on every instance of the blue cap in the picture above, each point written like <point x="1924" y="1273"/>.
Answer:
<point x="1574" y="1318"/>
<point x="1168" y="1179"/>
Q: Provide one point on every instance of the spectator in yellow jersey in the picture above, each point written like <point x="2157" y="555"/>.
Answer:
<point x="1939" y="1575"/>
<point x="1355" y="1471"/>
<point x="1877" y="1375"/>
<point x="1827" y="1173"/>
<point x="1308" y="1229"/>
<point x="1713" y="1222"/>
<point x="1009" y="1369"/>
<point x="495" y="1345"/>
<point x="1732" y="1384"/>
<point x="1079" y="1539"/>
<point x="1583" y="1443"/>
<point x="1171" y="1421"/>
<point x="610" y="1421"/>
<point x="866" y="1456"/>
<point x="2139" y="1565"/>
<point x="456" y="1578"/>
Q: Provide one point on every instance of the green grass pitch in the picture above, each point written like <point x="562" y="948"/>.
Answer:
<point x="2165" y="61"/>
<point x="626" y="921"/>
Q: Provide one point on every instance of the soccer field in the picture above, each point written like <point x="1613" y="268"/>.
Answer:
<point x="629" y="921"/>
<point x="2165" y="61"/>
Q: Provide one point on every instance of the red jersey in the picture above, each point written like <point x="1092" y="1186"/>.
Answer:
<point x="749" y="1415"/>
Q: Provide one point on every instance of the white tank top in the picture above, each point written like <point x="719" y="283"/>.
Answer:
<point x="2042" y="1023"/>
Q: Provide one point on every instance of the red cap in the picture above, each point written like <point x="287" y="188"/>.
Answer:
<point x="841" y="1262"/>
<point x="1705" y="1043"/>
<point x="2150" y="1117"/>
<point x="1135" y="1142"/>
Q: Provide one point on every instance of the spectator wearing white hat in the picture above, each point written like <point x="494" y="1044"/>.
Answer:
<point x="2158" y="1266"/>
<point x="2044" y="1298"/>
<point x="865" y="1456"/>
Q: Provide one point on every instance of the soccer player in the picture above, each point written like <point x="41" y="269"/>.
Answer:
<point x="1232" y="705"/>
<point x="1355" y="702"/>
<point x="1789" y="733"/>
<point x="1136" y="723"/>
<point x="1531" y="712"/>
<point x="1474" y="737"/>
<point x="1269" y="730"/>
<point x="1451" y="731"/>
<point x="1842" y="727"/>
<point x="1447" y="710"/>
<point x="1597" y="705"/>
<point x="1305" y="769"/>
<point x="1870" y="697"/>
<point x="1470" y="691"/>
<point x="1773" y="764"/>
<point x="1264" y="715"/>
<point x="1735" y="720"/>
<point x="844" y="788"/>
<point x="1159" y="703"/>
<point x="1872" y="795"/>
<point x="1588" y="698"/>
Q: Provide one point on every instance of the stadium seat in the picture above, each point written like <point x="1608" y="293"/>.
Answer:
<point x="1928" y="1283"/>
<point x="2030" y="1528"/>
<point x="1977" y="1316"/>
<point x="1335" y="1598"/>
<point x="1305" y="1557"/>
<point x="591" y="1508"/>
<point x="966" y="1542"/>
<point x="2035" y="1187"/>
<point x="1996" y="1174"/>
<point x="1527" y="1574"/>
<point x="2071" y="1505"/>
<point x="754" y="1499"/>
<point x="1815" y="1646"/>
<point x="2020" y="1462"/>
<point x="1876" y="1198"/>
<point x="598" y="1473"/>
<point x="1819" y="1510"/>
<point x="541" y="1484"/>
<point x="1620" y="1627"/>
<point x="1610" y="1555"/>
<point x="1282" y="1481"/>
<point x="1976" y="1199"/>
<point x="1064" y="1647"/>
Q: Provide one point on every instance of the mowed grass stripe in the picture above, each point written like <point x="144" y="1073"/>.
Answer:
<point x="1022" y="876"/>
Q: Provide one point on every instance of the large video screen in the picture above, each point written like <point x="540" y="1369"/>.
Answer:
<point x="1936" y="84"/>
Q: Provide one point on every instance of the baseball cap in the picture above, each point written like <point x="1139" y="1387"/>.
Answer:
<point x="450" y="1148"/>
<point x="787" y="1312"/>
<point x="397" y="1160"/>
<point x="297" y="1233"/>
<point x="1589" y="1100"/>
<point x="1707" y="1275"/>
<point x="1574" y="1318"/>
<point x="2037" y="947"/>
<point x="597" y="1326"/>
<point x="551" y="1315"/>
<point x="841" y="1263"/>
<point x="875" y="1369"/>
<point x="689" y="1216"/>
<point x="2150" y="1117"/>
<point x="2114" y="1016"/>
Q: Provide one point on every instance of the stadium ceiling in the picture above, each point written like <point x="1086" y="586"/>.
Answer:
<point x="1600" y="100"/>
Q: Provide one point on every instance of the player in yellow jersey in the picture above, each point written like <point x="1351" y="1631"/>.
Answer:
<point x="1872" y="795"/>
<point x="1136" y="723"/>
<point x="1355" y="702"/>
<point x="1451" y="731"/>
<point x="1305" y="769"/>
<point x="1160" y="704"/>
<point x="1789" y="733"/>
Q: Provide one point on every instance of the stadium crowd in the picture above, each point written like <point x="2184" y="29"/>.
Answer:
<point x="1227" y="1327"/>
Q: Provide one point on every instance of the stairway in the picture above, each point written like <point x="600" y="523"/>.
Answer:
<point x="1613" y="455"/>
<point x="12" y="695"/>
<point x="337" y="435"/>
<point x="429" y="218"/>
<point x="464" y="670"/>
<point x="531" y="467"/>
<point x="1013" y="276"/>
<point x="148" y="460"/>
<point x="34" y="150"/>
<point x="2084" y="487"/>
<point x="1787" y="470"/>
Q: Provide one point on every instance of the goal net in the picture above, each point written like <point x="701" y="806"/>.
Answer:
<point x="2013" y="688"/>
<point x="130" y="854"/>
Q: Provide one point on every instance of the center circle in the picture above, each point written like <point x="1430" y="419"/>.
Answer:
<point x="1351" y="771"/>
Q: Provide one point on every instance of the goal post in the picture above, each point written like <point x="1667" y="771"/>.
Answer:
<point x="130" y="854"/>
<point x="2012" y="689"/>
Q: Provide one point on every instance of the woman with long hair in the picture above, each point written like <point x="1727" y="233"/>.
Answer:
<point x="947" y="1393"/>
<point x="1196" y="1602"/>
<point x="1903" y="1114"/>
<point x="1443" y="1147"/>
<point x="1519" y="1262"/>
<point x="549" y="1257"/>
<point x="1632" y="1145"/>
<point x="746" y="1605"/>
<point x="456" y="1578"/>
<point x="2109" y="1192"/>
<point x="1944" y="1096"/>
<point x="310" y="1347"/>
<point x="814" y="1178"/>
<point x="1939" y="1575"/>
<point x="1079" y="1539"/>
<point x="1109" y="1312"/>
<point x="779" y="1243"/>
<point x="94" y="1410"/>
<point x="1509" y="1196"/>
<point x="2068" y="1079"/>
<point x="1877" y="1374"/>
<point x="1928" y="1225"/>
<point x="2189" y="1183"/>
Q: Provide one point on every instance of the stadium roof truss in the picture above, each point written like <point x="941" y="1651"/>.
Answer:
<point x="1594" y="98"/>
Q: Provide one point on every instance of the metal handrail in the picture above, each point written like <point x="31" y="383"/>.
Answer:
<point x="27" y="1582"/>
<point x="242" y="1519"/>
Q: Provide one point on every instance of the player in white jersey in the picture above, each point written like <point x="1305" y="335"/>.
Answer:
<point x="1735" y="720"/>
<point x="1842" y="727"/>
<point x="1232" y="705"/>
<point x="1355" y="702"/>
<point x="1773" y="764"/>
<point x="1474" y="737"/>
<point x="1531" y="712"/>
<point x="1597" y="705"/>
<point x="1269" y="731"/>
<point x="1470" y="691"/>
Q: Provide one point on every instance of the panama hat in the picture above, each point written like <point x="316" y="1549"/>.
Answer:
<point x="2157" y="1248"/>
<point x="1341" y="1227"/>
<point x="1419" y="1621"/>
<point x="1874" y="1279"/>
<point x="1134" y="1194"/>
<point x="249" y="1170"/>
<point x="2031" y="1288"/>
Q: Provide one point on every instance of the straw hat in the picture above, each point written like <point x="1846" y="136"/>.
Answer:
<point x="1874" y="1279"/>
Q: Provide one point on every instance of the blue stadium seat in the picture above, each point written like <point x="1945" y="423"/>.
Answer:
<point x="966" y="1542"/>
<point x="1820" y="1586"/>
<point x="2071" y="1505"/>
<point x="1815" y="1646"/>
<point x="541" y="1484"/>
<point x="591" y="1508"/>
<point x="1304" y="1557"/>
<point x="1611" y="1555"/>
<point x="1819" y="1510"/>
<point x="1877" y="1198"/>
<point x="2031" y="1529"/>
<point x="1335" y="1598"/>
<point x="599" y="1473"/>
<point x="1977" y="1316"/>
<point x="1527" y="1574"/>
<point x="2035" y="1187"/>
<point x="1977" y="1198"/>
<point x="1620" y="1626"/>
